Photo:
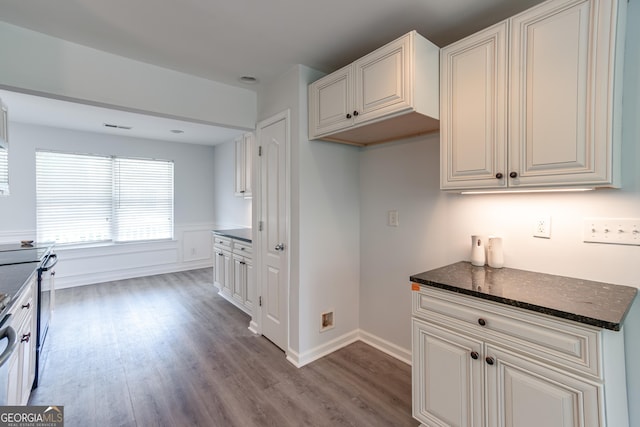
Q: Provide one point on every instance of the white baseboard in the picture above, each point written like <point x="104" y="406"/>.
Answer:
<point x="393" y="350"/>
<point x="253" y="327"/>
<point x="299" y="360"/>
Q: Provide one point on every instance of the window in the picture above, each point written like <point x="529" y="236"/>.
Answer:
<point x="85" y="198"/>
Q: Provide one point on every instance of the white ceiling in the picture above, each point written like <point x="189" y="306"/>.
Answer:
<point x="224" y="40"/>
<point x="26" y="108"/>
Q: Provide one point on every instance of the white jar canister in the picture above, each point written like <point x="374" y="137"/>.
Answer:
<point x="477" y="250"/>
<point x="495" y="257"/>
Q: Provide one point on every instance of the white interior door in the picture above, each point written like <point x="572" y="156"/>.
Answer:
<point x="273" y="271"/>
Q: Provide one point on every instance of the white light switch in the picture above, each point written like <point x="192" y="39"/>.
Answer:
<point x="392" y="218"/>
<point x="616" y="231"/>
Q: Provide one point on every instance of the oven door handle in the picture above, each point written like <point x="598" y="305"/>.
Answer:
<point x="52" y="260"/>
<point x="10" y="334"/>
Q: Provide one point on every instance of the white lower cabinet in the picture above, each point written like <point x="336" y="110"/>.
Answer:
<point x="22" y="363"/>
<point x="479" y="363"/>
<point x="447" y="382"/>
<point x="233" y="272"/>
<point x="521" y="392"/>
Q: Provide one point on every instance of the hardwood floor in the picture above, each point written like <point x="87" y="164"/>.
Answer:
<point x="168" y="351"/>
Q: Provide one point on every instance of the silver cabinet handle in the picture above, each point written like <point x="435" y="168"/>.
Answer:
<point x="279" y="247"/>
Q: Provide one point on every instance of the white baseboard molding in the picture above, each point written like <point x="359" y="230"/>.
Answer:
<point x="253" y="327"/>
<point x="393" y="350"/>
<point x="71" y="281"/>
<point x="299" y="360"/>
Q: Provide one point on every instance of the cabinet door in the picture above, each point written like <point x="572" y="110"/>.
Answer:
<point x="227" y="284"/>
<point x="561" y="97"/>
<point x="250" y="290"/>
<point x="447" y="379"/>
<point x="383" y="80"/>
<point x="524" y="393"/>
<point x="331" y="103"/>
<point x="218" y="269"/>
<point x="473" y="110"/>
<point x="239" y="278"/>
<point x="239" y="167"/>
<point x="247" y="164"/>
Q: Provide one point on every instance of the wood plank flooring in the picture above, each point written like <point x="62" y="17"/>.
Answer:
<point x="168" y="351"/>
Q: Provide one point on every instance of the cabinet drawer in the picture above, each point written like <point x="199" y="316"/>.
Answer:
<point x="561" y="342"/>
<point x="222" y="242"/>
<point x="242" y="248"/>
<point x="24" y="308"/>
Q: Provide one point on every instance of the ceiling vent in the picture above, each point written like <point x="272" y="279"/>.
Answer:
<point x="112" y="126"/>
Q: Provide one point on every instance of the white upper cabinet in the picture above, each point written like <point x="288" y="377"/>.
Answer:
<point x="389" y="94"/>
<point x="473" y="106"/>
<point x="557" y="122"/>
<point x="244" y="147"/>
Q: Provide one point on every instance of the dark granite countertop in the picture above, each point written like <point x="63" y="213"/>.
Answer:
<point x="236" y="233"/>
<point x="12" y="279"/>
<point x="592" y="303"/>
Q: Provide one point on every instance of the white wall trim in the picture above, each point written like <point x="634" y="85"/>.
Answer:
<point x="74" y="280"/>
<point x="393" y="350"/>
<point x="89" y="264"/>
<point x="299" y="360"/>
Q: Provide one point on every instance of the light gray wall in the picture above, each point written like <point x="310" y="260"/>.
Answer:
<point x="325" y="234"/>
<point x="229" y="211"/>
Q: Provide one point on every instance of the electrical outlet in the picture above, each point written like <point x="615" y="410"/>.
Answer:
<point x="542" y="227"/>
<point x="392" y="218"/>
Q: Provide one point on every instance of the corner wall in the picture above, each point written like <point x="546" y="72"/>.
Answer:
<point x="324" y="241"/>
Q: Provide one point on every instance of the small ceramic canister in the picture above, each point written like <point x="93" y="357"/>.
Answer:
<point x="495" y="257"/>
<point x="477" y="250"/>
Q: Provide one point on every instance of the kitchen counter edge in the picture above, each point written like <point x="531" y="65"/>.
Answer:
<point x="593" y="303"/>
<point x="243" y="234"/>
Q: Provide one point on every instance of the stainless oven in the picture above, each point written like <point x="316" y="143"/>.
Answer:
<point x="46" y="295"/>
<point x="47" y="259"/>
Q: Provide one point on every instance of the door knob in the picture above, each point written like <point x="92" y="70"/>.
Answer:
<point x="279" y="247"/>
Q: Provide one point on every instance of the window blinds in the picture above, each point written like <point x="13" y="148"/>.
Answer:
<point x="143" y="202"/>
<point x="86" y="198"/>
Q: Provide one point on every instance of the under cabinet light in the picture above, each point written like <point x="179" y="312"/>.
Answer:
<point x="530" y="190"/>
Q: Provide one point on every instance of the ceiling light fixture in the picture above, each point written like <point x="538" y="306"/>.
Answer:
<point x="530" y="190"/>
<point x="248" y="79"/>
<point x="112" y="126"/>
<point x="177" y="131"/>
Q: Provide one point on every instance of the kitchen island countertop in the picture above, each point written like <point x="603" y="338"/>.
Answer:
<point x="236" y="233"/>
<point x="594" y="303"/>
